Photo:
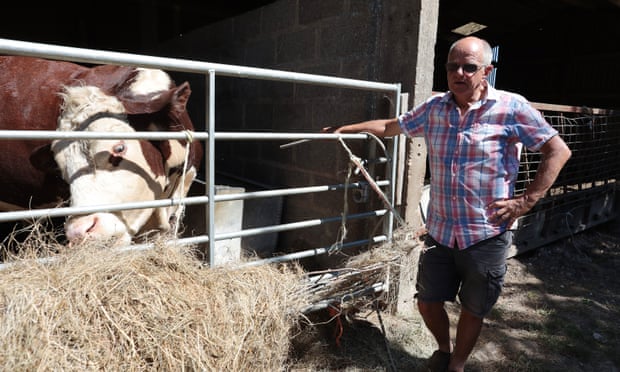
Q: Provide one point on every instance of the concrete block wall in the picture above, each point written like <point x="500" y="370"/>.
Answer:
<point x="361" y="39"/>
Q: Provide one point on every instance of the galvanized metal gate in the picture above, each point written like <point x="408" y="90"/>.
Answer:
<point x="211" y="71"/>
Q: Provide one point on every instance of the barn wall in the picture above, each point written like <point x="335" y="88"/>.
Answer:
<point x="371" y="40"/>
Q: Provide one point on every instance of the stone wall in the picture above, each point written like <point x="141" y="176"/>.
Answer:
<point x="375" y="40"/>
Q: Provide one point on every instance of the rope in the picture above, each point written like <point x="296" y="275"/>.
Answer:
<point x="358" y="163"/>
<point x="189" y="138"/>
<point x="342" y="231"/>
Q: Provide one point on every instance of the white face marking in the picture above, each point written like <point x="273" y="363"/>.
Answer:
<point x="96" y="174"/>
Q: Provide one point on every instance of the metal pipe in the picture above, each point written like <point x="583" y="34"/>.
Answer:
<point x="65" y="211"/>
<point x="313" y="252"/>
<point x="210" y="164"/>
<point x="204" y="238"/>
<point x="287" y="136"/>
<point x="389" y="225"/>
<point x="297" y="225"/>
<point x="293" y="191"/>
<point x="198" y="239"/>
<point x="106" y="57"/>
<point x="226" y="136"/>
<point x="57" y="135"/>
<point x="374" y="288"/>
<point x="191" y="200"/>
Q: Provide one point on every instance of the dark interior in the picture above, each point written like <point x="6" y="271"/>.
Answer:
<point x="553" y="51"/>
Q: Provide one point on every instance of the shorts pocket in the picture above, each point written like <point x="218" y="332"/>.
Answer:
<point x="495" y="282"/>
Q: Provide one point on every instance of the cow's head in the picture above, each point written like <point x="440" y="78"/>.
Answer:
<point x="117" y="171"/>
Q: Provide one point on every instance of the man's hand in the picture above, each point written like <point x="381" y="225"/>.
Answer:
<point x="508" y="210"/>
<point x="555" y="154"/>
<point x="330" y="129"/>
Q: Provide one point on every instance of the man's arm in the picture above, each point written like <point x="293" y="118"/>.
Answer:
<point x="379" y="128"/>
<point x="555" y="153"/>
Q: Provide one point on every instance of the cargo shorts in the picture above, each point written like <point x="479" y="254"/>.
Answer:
<point x="476" y="274"/>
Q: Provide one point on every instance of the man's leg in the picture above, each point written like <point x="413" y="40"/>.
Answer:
<point x="437" y="321"/>
<point x="437" y="281"/>
<point x="467" y="332"/>
<point x="483" y="267"/>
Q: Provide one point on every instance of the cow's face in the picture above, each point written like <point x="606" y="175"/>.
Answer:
<point x="107" y="172"/>
<point x="103" y="172"/>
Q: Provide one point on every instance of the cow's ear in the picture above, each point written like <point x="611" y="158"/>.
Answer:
<point x="180" y="96"/>
<point x="42" y="158"/>
<point x="145" y="104"/>
<point x="176" y="98"/>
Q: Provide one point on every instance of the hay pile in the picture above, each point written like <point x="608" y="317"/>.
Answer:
<point x="367" y="281"/>
<point x="98" y="309"/>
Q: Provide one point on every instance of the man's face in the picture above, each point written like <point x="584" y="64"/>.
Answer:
<point x="465" y="71"/>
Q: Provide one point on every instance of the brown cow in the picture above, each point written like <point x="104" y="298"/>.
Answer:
<point x="39" y="94"/>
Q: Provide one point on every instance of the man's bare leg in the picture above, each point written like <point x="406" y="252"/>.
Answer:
<point x="436" y="319"/>
<point x="467" y="332"/>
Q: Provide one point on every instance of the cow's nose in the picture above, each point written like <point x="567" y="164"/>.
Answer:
<point x="98" y="226"/>
<point x="78" y="228"/>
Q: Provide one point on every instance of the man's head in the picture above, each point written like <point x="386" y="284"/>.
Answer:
<point x="467" y="67"/>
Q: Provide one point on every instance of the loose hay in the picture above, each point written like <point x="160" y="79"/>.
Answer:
<point x="366" y="281"/>
<point x="98" y="309"/>
<point x="94" y="308"/>
<point x="345" y="299"/>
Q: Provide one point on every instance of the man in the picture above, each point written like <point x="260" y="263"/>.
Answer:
<point x="473" y="134"/>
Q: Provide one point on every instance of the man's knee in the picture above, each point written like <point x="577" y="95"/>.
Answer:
<point x="428" y="307"/>
<point x="469" y="316"/>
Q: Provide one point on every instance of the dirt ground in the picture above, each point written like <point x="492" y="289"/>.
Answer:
<point x="559" y="311"/>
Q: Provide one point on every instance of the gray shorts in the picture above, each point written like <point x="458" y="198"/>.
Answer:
<point x="476" y="274"/>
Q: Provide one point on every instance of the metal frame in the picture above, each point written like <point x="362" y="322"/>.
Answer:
<point x="211" y="71"/>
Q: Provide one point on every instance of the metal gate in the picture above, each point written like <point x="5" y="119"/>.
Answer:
<point x="211" y="71"/>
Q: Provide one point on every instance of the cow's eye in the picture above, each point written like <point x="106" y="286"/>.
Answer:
<point x="119" y="149"/>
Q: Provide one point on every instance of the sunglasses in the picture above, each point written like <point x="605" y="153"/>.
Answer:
<point x="468" y="68"/>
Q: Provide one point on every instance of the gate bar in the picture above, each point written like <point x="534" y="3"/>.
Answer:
<point x="93" y="56"/>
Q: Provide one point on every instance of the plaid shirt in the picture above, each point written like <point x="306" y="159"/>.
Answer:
<point x="474" y="160"/>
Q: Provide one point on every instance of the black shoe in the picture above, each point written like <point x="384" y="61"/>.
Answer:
<point x="438" y="362"/>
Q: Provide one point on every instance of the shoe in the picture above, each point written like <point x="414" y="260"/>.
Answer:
<point x="438" y="362"/>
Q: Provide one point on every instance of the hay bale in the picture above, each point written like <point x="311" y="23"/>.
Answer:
<point x="160" y="309"/>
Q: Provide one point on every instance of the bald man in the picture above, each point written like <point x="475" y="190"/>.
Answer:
<point x="473" y="134"/>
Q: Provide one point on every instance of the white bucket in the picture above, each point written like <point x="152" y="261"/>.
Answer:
<point x="228" y="217"/>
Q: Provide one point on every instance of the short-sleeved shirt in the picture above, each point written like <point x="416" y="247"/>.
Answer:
<point x="474" y="160"/>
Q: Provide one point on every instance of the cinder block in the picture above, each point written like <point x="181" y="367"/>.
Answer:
<point x="296" y="46"/>
<point x="312" y="11"/>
